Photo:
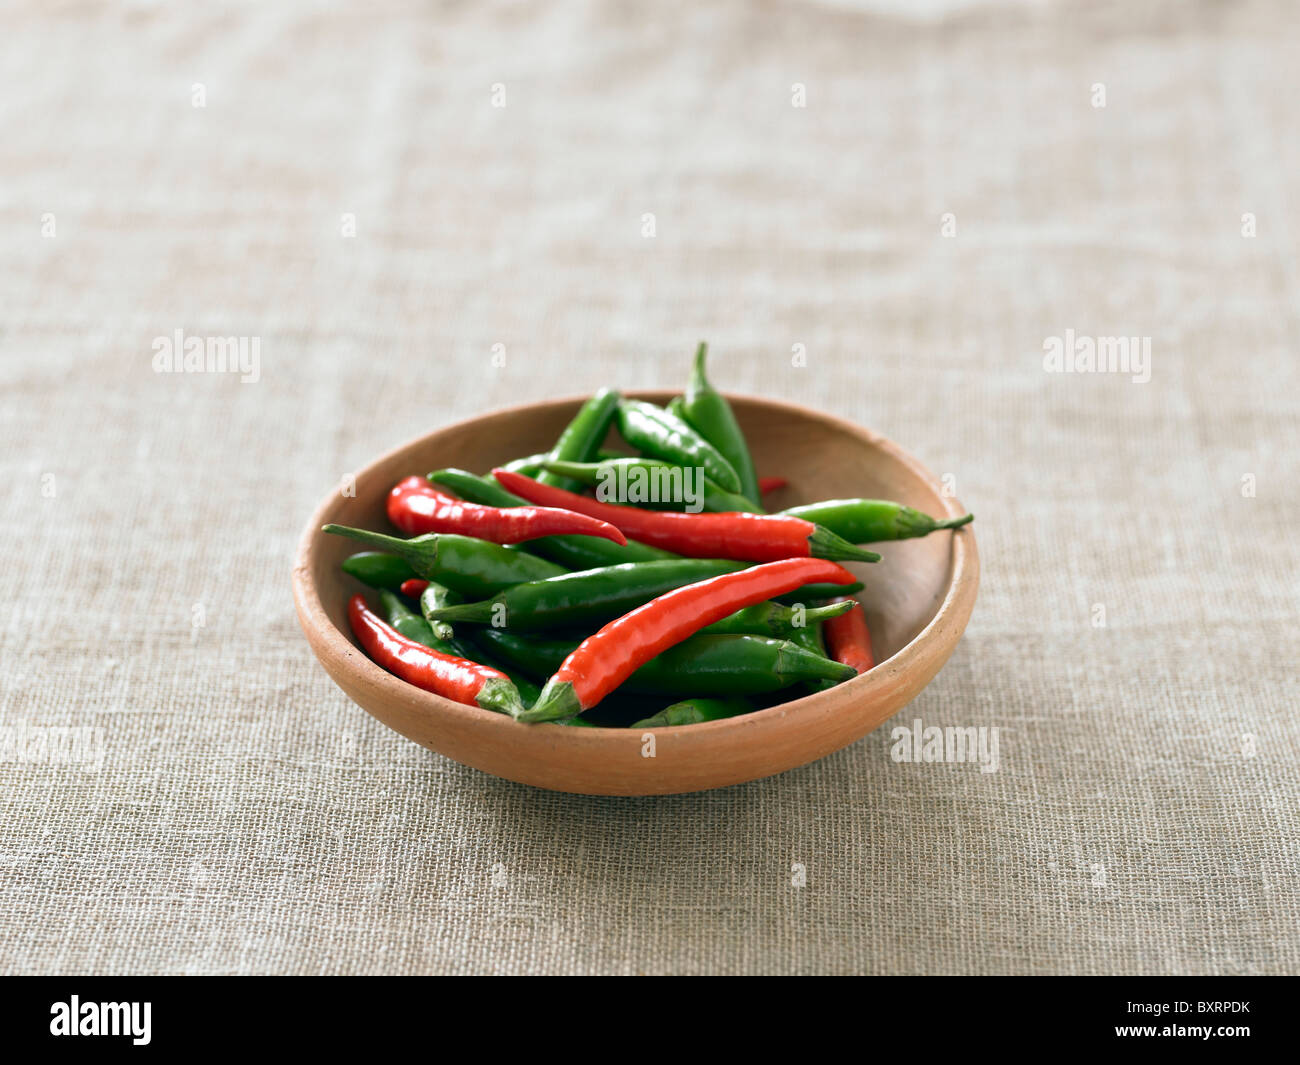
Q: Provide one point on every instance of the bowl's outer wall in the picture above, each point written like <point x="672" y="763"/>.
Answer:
<point x="923" y="582"/>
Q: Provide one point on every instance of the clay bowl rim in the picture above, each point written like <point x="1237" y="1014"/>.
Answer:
<point x="324" y="636"/>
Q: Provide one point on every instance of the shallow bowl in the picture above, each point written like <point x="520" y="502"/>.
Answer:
<point x="917" y="602"/>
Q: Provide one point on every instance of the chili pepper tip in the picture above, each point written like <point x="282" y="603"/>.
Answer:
<point x="955" y="523"/>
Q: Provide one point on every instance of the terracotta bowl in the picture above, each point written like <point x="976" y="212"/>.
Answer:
<point x="917" y="600"/>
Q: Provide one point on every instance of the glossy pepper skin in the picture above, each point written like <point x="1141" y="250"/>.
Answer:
<point x="424" y="632"/>
<point x="575" y="552"/>
<point x="848" y="639"/>
<point x="474" y="568"/>
<point x="455" y="678"/>
<point x="751" y="537"/>
<point x="813" y="593"/>
<point x="416" y="507"/>
<point x="588" y="595"/>
<point x="433" y="596"/>
<point x="529" y="465"/>
<point x="652" y="472"/>
<point x="776" y="619"/>
<point x="378" y="569"/>
<point x="606" y="659"/>
<point x="400" y="617"/>
<point x="415" y="627"/>
<point x="709" y="414"/>
<point x="661" y="434"/>
<point x="582" y="436"/>
<point x="695" y="711"/>
<point x="871" y="521"/>
<point x="704" y="665"/>
<point x="811" y="640"/>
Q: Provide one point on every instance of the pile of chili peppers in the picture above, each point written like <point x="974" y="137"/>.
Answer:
<point x="522" y="593"/>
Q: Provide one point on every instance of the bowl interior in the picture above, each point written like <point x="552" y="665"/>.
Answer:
<point x="822" y="458"/>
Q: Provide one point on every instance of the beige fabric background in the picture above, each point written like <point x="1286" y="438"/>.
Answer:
<point x="248" y="818"/>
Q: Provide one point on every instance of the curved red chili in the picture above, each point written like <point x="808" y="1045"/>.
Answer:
<point x="458" y="679"/>
<point x="771" y="484"/>
<point x="413" y="588"/>
<point x="848" y="639"/>
<point x="603" y="661"/>
<point x="735" y="534"/>
<point x="415" y="507"/>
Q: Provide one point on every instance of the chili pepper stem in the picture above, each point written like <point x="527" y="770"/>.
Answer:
<point x="558" y="700"/>
<point x="394" y="543"/>
<point x="822" y="543"/>
<point x="701" y="353"/>
<point x="502" y="697"/>
<point x="912" y="522"/>
<point x="830" y="610"/>
<point x="479" y="613"/>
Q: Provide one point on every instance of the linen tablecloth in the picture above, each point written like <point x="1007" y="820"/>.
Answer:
<point x="413" y="213"/>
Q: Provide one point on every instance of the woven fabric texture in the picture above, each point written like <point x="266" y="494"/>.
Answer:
<point x="380" y="195"/>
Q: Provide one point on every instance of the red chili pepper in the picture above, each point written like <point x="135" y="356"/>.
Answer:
<point x="771" y="484"/>
<point x="458" y="679"/>
<point x="848" y="639"/>
<point x="603" y="661"/>
<point x="416" y="508"/>
<point x="413" y="588"/>
<point x="735" y="534"/>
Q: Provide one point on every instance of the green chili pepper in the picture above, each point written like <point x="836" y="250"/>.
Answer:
<point x="663" y="435"/>
<point x="651" y="483"/>
<point x="776" y="619"/>
<point x="474" y="568"/>
<point x="377" y="569"/>
<point x="414" y="627"/>
<point x="576" y="552"/>
<point x="693" y="711"/>
<point x="869" y="521"/>
<point x="529" y="465"/>
<point x="587" y="431"/>
<point x="528" y="688"/>
<point x="435" y="597"/>
<point x="607" y="592"/>
<point x="407" y="622"/>
<point x="809" y="637"/>
<point x="585" y="596"/>
<point x="699" y="665"/>
<point x="810" y="593"/>
<point x="707" y="411"/>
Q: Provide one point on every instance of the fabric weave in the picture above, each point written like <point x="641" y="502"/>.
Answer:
<point x="248" y="818"/>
